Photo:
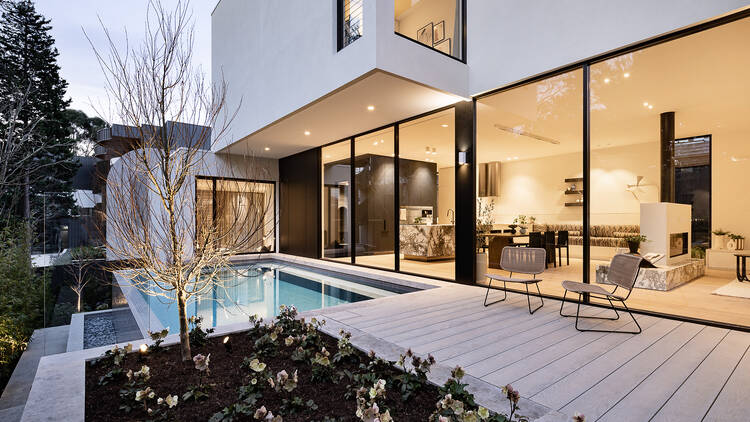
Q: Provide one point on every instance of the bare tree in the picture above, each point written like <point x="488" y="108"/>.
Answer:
<point x="172" y="248"/>
<point x="82" y="261"/>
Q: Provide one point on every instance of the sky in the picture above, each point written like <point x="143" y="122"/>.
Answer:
<point x="78" y="64"/>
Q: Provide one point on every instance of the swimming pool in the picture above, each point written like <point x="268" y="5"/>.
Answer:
<point x="260" y="289"/>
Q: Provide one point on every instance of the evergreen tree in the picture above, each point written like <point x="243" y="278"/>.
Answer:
<point x="28" y="63"/>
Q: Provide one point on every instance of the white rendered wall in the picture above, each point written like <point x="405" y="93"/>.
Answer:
<point x="511" y="40"/>
<point x="277" y="58"/>
<point x="212" y="165"/>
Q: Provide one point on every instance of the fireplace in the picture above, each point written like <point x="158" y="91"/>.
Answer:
<point x="678" y="244"/>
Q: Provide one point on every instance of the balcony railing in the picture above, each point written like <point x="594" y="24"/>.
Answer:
<point x="349" y="21"/>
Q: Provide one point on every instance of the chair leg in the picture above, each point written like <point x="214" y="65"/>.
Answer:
<point x="618" y="316"/>
<point x="505" y="294"/>
<point x="528" y="298"/>
<point x="559" y="255"/>
<point x="567" y="254"/>
<point x="587" y="317"/>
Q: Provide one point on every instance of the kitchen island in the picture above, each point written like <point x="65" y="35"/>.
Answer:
<point x="424" y="242"/>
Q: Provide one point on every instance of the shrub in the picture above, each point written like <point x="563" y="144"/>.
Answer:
<point x="20" y="298"/>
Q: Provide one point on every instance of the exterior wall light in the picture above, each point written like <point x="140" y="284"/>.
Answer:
<point x="462" y="158"/>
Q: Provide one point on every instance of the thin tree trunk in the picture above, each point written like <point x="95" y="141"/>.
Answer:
<point x="27" y="209"/>
<point x="78" y="305"/>
<point x="184" y="336"/>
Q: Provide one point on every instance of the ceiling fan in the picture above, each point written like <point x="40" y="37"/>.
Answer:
<point x="519" y="131"/>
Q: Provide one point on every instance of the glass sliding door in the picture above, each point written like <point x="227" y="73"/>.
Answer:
<point x="670" y="160"/>
<point x="374" y="222"/>
<point x="427" y="195"/>
<point x="337" y="201"/>
<point x="530" y="175"/>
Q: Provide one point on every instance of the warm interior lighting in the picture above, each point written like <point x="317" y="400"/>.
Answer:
<point x="462" y="158"/>
<point x="606" y="80"/>
<point x="645" y="104"/>
<point x="371" y="107"/>
<point x="375" y="143"/>
<point x="650" y="107"/>
<point x="626" y="75"/>
<point x="267" y="148"/>
<point x="307" y="133"/>
<point x="444" y="125"/>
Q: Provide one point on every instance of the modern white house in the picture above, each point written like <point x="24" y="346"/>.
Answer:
<point x="578" y="123"/>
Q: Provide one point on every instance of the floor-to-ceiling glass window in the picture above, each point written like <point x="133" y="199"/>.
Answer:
<point x="670" y="160"/>
<point x="374" y="222"/>
<point x="427" y="195"/>
<point x="236" y="214"/>
<point x="530" y="176"/>
<point x="336" y="201"/>
<point x="438" y="24"/>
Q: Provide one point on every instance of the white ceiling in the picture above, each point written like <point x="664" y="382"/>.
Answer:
<point x="344" y="113"/>
<point x="703" y="78"/>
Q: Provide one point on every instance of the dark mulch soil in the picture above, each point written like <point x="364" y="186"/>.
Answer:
<point x="169" y="375"/>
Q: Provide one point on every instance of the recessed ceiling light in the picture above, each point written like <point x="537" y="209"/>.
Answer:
<point x="626" y="75"/>
<point x="606" y="80"/>
<point x="645" y="104"/>
<point x="267" y="149"/>
<point x="307" y="133"/>
<point x="381" y="141"/>
<point x="444" y="125"/>
<point x="509" y="158"/>
<point x="515" y="158"/>
<point x="650" y="107"/>
<point x="370" y="107"/>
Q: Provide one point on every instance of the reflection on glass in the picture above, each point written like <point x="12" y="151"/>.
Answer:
<point x="427" y="195"/>
<point x="352" y="25"/>
<point x="670" y="160"/>
<point x="434" y="23"/>
<point x="530" y="155"/>
<point x="236" y="214"/>
<point x="374" y="196"/>
<point x="336" y="200"/>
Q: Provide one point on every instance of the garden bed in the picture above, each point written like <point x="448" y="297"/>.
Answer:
<point x="256" y="374"/>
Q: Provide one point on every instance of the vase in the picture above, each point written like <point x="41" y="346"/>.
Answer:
<point x="731" y="245"/>
<point x="719" y="241"/>
<point x="633" y="247"/>
<point x="522" y="229"/>
<point x="481" y="264"/>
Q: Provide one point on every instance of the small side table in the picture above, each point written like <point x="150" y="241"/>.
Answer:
<point x="742" y="265"/>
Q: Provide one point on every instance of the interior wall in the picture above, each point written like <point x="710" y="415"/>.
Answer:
<point x="730" y="172"/>
<point x="300" y="200"/>
<point x="446" y="194"/>
<point x="424" y="12"/>
<point x="537" y="187"/>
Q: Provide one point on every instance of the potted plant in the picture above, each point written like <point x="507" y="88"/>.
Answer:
<point x="736" y="242"/>
<point x="521" y="221"/>
<point x="485" y="220"/>
<point x="634" y="242"/>
<point x="720" y="239"/>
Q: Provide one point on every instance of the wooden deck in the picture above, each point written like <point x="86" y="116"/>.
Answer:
<point x="673" y="371"/>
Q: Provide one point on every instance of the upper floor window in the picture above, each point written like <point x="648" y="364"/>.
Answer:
<point x="438" y="24"/>
<point x="350" y="21"/>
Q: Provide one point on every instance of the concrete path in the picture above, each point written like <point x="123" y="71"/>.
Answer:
<point x="672" y="371"/>
<point x="44" y="342"/>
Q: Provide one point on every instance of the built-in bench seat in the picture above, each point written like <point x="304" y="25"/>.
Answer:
<point x="608" y="235"/>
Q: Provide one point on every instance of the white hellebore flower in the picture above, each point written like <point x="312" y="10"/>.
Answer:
<point x="257" y="365"/>
<point x="171" y="401"/>
<point x="483" y="412"/>
<point x="201" y="362"/>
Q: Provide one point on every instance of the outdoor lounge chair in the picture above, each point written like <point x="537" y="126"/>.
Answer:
<point x="623" y="271"/>
<point x="529" y="261"/>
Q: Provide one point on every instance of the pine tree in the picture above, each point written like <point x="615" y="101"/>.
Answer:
<point x="28" y="62"/>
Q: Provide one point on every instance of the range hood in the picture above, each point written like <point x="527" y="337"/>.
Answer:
<point x="489" y="179"/>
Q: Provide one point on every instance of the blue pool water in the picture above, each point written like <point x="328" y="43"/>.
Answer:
<point x="260" y="289"/>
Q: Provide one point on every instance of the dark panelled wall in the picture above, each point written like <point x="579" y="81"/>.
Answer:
<point x="300" y="207"/>
<point x="465" y="193"/>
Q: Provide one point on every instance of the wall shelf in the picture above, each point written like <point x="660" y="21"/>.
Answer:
<point x="574" y="192"/>
<point x="574" y="204"/>
<point x="574" y="179"/>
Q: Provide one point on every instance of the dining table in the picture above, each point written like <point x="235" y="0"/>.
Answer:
<point x="496" y="242"/>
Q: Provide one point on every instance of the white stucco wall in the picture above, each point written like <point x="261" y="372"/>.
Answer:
<point x="210" y="164"/>
<point x="512" y="40"/>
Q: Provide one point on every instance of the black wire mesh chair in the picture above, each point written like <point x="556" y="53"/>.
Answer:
<point x="529" y="261"/>
<point x="623" y="272"/>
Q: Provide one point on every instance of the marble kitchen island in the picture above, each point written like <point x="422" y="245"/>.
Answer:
<point x="424" y="242"/>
